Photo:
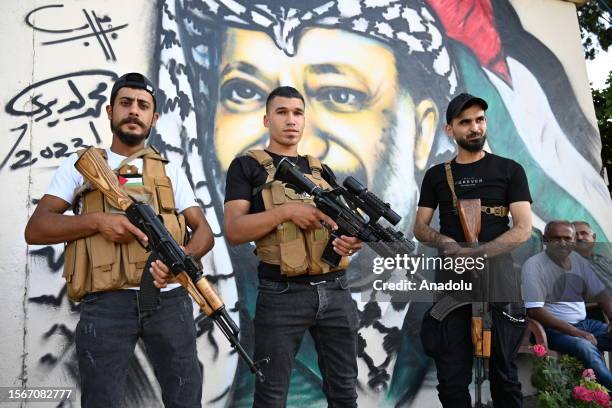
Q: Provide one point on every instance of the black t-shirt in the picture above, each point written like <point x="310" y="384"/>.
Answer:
<point x="243" y="175"/>
<point x="494" y="179"/>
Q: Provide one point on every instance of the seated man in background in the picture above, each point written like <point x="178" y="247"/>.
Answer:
<point x="556" y="283"/>
<point x="585" y="245"/>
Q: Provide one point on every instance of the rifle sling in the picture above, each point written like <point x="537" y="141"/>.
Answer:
<point x="498" y="211"/>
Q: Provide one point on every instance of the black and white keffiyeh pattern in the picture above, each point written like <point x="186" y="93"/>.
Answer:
<point x="406" y="26"/>
<point x="191" y="35"/>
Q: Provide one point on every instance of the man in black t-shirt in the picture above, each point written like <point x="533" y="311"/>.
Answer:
<point x="297" y="291"/>
<point x="501" y="185"/>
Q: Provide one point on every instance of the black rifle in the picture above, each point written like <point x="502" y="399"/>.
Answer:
<point x="164" y="247"/>
<point x="342" y="204"/>
<point x="345" y="205"/>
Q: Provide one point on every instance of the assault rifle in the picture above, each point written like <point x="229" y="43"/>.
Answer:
<point x="185" y="269"/>
<point x="342" y="204"/>
<point x="469" y="216"/>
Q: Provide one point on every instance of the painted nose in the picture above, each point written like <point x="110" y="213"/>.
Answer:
<point x="313" y="142"/>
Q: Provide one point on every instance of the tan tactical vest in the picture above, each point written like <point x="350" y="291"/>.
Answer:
<point x="297" y="251"/>
<point x="94" y="264"/>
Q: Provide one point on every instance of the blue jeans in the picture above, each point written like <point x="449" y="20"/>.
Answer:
<point x="584" y="350"/>
<point x="284" y="311"/>
<point x="109" y="327"/>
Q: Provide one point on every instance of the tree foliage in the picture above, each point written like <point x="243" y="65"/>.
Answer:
<point x="595" y="19"/>
<point x="595" y="28"/>
<point x="602" y="99"/>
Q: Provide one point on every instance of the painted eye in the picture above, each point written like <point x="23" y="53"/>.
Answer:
<point x="238" y="94"/>
<point x="342" y="99"/>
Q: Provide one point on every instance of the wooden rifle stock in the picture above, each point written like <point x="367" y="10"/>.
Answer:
<point x="202" y="293"/>
<point x="94" y="168"/>
<point x="469" y="215"/>
<point x="96" y="171"/>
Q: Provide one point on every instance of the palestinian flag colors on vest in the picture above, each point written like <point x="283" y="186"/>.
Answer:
<point x="130" y="180"/>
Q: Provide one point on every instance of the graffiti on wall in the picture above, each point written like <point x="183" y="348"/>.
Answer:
<point x="54" y="100"/>
<point x="376" y="75"/>
<point x="93" y="27"/>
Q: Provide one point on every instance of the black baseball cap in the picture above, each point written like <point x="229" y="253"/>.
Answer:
<point x="133" y="80"/>
<point x="460" y="103"/>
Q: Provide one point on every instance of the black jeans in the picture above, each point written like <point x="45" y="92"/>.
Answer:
<point x="285" y="310"/>
<point x="449" y="343"/>
<point x="107" y="332"/>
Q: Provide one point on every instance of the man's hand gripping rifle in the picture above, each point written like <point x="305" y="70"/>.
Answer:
<point x="342" y="204"/>
<point x="185" y="269"/>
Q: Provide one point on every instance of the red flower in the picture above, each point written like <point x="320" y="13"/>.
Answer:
<point x="601" y="398"/>
<point x="539" y="350"/>
<point x="581" y="393"/>
<point x="589" y="374"/>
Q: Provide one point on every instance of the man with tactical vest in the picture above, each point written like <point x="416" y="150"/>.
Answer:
<point x="501" y="186"/>
<point x="297" y="291"/>
<point x="104" y="260"/>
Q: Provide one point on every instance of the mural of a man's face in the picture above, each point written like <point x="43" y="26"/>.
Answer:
<point x="354" y="103"/>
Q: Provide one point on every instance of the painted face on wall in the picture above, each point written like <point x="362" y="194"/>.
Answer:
<point x="351" y="89"/>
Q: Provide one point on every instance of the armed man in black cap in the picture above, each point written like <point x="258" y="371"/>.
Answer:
<point x="104" y="260"/>
<point x="501" y="186"/>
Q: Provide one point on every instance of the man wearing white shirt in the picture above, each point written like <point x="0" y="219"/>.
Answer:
<point x="556" y="283"/>
<point x="103" y="262"/>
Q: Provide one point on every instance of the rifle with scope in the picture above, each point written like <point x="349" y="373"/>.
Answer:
<point x="356" y="210"/>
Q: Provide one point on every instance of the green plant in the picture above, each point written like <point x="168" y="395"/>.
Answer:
<point x="565" y="383"/>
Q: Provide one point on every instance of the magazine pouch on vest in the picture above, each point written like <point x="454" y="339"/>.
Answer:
<point x="296" y="251"/>
<point x="93" y="263"/>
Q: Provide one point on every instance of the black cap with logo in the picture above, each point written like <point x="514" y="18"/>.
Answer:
<point x="133" y="80"/>
<point x="460" y="103"/>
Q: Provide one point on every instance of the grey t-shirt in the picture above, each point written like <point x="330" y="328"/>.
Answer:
<point x="561" y="292"/>
<point x="602" y="266"/>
